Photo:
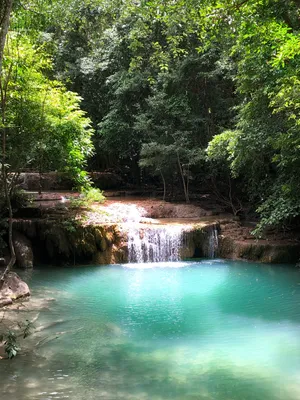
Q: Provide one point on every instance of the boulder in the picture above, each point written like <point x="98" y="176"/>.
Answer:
<point x="13" y="288"/>
<point x="23" y="249"/>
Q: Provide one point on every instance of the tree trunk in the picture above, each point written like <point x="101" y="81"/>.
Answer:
<point x="164" y="183"/>
<point x="186" y="193"/>
<point x="188" y="182"/>
<point x="6" y="6"/>
<point x="135" y="171"/>
<point x="10" y="228"/>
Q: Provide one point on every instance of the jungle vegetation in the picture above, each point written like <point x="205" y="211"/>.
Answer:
<point x="185" y="92"/>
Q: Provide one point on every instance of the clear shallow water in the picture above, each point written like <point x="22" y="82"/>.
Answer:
<point x="183" y="331"/>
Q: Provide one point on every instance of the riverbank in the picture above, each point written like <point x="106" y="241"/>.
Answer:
<point x="22" y="322"/>
<point x="56" y="230"/>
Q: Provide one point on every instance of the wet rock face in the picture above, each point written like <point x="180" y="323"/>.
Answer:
<point x="259" y="250"/>
<point x="201" y="241"/>
<point x="56" y="242"/>
<point x="13" y="288"/>
<point x="23" y="249"/>
<point x="236" y="242"/>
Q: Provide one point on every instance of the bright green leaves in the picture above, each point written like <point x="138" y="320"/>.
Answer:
<point x="289" y="49"/>
<point x="48" y="131"/>
<point x="223" y="147"/>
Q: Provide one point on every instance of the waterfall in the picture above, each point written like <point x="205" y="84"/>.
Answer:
<point x="213" y="242"/>
<point x="154" y="243"/>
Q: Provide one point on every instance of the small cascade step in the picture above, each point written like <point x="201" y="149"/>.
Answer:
<point x="213" y="242"/>
<point x="154" y="243"/>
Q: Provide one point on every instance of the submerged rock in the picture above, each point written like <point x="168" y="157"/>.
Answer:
<point x="13" y="288"/>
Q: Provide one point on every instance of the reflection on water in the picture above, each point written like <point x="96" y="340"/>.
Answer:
<point x="207" y="331"/>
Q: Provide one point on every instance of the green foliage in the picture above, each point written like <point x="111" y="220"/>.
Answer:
<point x="19" y="199"/>
<point x="162" y="82"/>
<point x="88" y="197"/>
<point x="92" y="195"/>
<point x="10" y="337"/>
<point x="27" y="328"/>
<point x="11" y="346"/>
<point x="263" y="149"/>
<point x="70" y="224"/>
<point x="278" y="210"/>
<point x="222" y="147"/>
<point x="47" y="128"/>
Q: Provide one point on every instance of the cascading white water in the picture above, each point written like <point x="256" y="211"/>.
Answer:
<point x="154" y="243"/>
<point x="213" y="242"/>
<point x="151" y="242"/>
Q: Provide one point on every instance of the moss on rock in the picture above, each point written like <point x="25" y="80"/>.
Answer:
<point x="259" y="250"/>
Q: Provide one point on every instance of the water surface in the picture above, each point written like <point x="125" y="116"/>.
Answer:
<point x="209" y="330"/>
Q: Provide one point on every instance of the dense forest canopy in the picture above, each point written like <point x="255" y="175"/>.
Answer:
<point x="191" y="92"/>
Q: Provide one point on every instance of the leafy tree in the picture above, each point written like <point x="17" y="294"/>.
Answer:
<point x="266" y="53"/>
<point x="163" y="81"/>
<point x="42" y="124"/>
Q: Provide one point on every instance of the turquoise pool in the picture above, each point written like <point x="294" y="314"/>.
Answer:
<point x="206" y="330"/>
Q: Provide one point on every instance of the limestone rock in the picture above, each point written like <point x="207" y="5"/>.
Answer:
<point x="169" y="210"/>
<point x="264" y="251"/>
<point x="23" y="249"/>
<point x="13" y="288"/>
<point x="5" y="301"/>
<point x="47" y="181"/>
<point x="103" y="244"/>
